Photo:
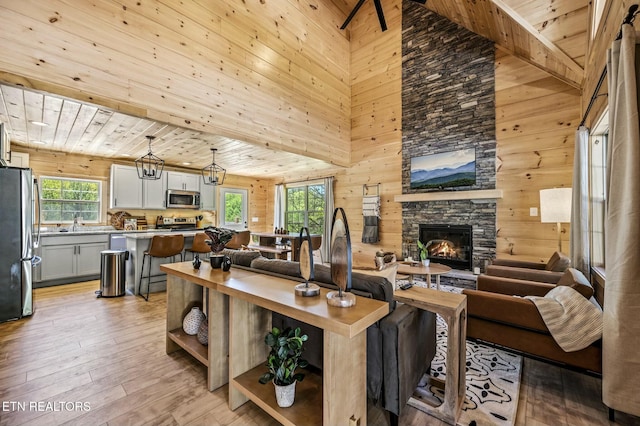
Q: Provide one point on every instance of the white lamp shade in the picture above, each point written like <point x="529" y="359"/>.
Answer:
<point x="555" y="205"/>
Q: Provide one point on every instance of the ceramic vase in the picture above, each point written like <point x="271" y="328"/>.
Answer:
<point x="285" y="394"/>
<point x="203" y="332"/>
<point x="192" y="321"/>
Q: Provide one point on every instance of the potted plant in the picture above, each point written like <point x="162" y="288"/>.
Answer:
<point x="284" y="358"/>
<point x="218" y="238"/>
<point x="422" y="251"/>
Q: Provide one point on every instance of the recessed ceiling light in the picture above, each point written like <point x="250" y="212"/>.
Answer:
<point x="39" y="142"/>
<point x="126" y="155"/>
<point x="38" y="123"/>
<point x="186" y="163"/>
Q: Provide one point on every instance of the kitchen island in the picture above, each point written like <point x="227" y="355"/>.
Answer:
<point x="136" y="244"/>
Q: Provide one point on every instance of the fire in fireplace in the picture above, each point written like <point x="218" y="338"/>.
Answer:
<point x="449" y="245"/>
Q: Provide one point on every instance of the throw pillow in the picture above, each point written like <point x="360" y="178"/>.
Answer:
<point x="389" y="272"/>
<point x="558" y="262"/>
<point x="384" y="258"/>
<point x="576" y="280"/>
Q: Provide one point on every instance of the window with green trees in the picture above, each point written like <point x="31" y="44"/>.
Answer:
<point x="305" y="207"/>
<point x="65" y="199"/>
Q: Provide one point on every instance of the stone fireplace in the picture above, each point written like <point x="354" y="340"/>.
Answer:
<point x="448" y="104"/>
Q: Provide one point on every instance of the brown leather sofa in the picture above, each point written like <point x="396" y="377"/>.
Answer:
<point x="496" y="316"/>
<point x="400" y="346"/>
<point x="549" y="272"/>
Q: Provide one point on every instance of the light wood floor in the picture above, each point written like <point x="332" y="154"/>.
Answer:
<point x="109" y="354"/>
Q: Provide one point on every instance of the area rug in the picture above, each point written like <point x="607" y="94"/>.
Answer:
<point x="492" y="380"/>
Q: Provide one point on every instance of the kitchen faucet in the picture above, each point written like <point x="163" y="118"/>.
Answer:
<point x="74" y="228"/>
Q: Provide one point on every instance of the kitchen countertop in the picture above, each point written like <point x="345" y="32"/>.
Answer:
<point x="100" y="230"/>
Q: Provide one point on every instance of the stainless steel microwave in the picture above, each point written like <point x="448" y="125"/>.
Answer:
<point x="177" y="199"/>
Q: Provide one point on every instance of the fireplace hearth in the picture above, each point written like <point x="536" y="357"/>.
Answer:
<point x="449" y="245"/>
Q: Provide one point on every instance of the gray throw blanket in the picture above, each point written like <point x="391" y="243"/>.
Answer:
<point x="573" y="321"/>
<point x="370" y="230"/>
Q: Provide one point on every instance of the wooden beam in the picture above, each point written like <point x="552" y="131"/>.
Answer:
<point x="512" y="34"/>
<point x="559" y="54"/>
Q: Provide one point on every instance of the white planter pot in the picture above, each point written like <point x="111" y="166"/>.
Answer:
<point x="285" y="394"/>
<point x="426" y="262"/>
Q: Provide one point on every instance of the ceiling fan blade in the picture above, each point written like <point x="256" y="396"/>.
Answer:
<point x="420" y="1"/>
<point x="352" y="14"/>
<point x="383" y="23"/>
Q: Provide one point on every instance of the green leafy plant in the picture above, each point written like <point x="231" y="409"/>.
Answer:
<point x="218" y="237"/>
<point x="422" y="250"/>
<point x="285" y="356"/>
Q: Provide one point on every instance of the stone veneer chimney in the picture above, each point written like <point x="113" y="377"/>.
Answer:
<point x="448" y="103"/>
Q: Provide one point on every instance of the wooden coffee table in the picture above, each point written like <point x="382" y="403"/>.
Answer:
<point x="415" y="268"/>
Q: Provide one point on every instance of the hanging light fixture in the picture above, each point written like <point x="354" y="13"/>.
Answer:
<point x="149" y="166"/>
<point x="213" y="174"/>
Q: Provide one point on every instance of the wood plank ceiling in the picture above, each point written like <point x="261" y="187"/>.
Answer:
<point x="553" y="35"/>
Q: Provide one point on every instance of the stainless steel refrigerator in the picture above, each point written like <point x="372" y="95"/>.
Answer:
<point x="19" y="199"/>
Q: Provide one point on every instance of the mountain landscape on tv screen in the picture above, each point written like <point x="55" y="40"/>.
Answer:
<point x="464" y="175"/>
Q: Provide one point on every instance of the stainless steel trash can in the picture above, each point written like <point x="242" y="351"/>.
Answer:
<point x="113" y="267"/>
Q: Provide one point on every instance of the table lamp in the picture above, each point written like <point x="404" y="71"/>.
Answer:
<point x="555" y="207"/>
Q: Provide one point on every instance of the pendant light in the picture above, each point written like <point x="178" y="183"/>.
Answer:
<point x="149" y="166"/>
<point x="213" y="174"/>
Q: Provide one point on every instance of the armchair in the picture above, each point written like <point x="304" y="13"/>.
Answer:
<point x="496" y="316"/>
<point x="549" y="272"/>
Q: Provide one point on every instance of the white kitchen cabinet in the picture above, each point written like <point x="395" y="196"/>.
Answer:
<point x="126" y="188"/>
<point x="154" y="193"/>
<point x="183" y="181"/>
<point x="58" y="262"/>
<point x="208" y="196"/>
<point x="68" y="257"/>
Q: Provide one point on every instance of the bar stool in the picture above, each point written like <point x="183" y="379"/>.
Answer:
<point x="161" y="246"/>
<point x="199" y="245"/>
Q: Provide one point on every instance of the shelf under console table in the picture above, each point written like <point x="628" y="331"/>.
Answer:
<point x="240" y="306"/>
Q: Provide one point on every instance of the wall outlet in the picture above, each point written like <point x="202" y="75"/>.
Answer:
<point x="255" y="219"/>
<point x="533" y="211"/>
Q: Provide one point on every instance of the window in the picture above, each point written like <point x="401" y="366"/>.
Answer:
<point x="597" y="11"/>
<point x="305" y="207"/>
<point x="66" y="199"/>
<point x="233" y="208"/>
<point x="597" y="190"/>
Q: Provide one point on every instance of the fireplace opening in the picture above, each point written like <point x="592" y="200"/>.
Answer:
<point x="449" y="245"/>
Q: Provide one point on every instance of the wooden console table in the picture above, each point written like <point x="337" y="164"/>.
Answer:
<point x="453" y="308"/>
<point x="240" y="305"/>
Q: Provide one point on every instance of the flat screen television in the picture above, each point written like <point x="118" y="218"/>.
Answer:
<point x="444" y="170"/>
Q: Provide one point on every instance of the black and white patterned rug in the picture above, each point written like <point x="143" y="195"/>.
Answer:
<point x="493" y="381"/>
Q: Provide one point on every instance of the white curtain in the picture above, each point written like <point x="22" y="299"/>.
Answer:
<point x="279" y="207"/>
<point x="621" y="331"/>
<point x="328" y="216"/>
<point x="580" y="203"/>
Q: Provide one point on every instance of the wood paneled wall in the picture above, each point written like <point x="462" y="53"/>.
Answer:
<point x="376" y="128"/>
<point x="59" y="164"/>
<point x="613" y="14"/>
<point x="536" y="119"/>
